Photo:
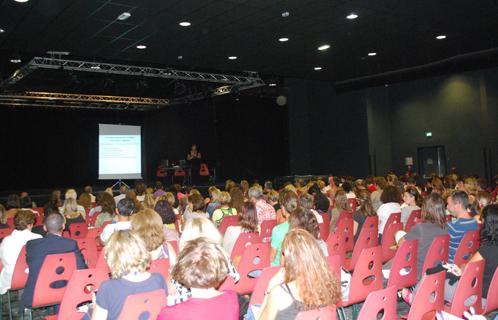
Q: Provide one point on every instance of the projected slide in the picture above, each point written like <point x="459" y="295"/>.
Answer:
<point x="120" y="152"/>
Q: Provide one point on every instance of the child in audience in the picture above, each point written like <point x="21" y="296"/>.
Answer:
<point x="202" y="266"/>
<point x="128" y="260"/>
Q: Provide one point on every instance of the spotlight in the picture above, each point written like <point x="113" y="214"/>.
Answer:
<point x="285" y="14"/>
<point x="323" y="47"/>
<point x="317" y="68"/>
<point x="2" y="30"/>
<point x="441" y="37"/>
<point x="371" y="54"/>
<point x="273" y="84"/>
<point x="141" y="46"/>
<point x="283" y="39"/>
<point x="185" y="24"/>
<point x="352" y="16"/>
<point x="16" y="60"/>
<point x="124" y="16"/>
<point x="21" y="1"/>
<point x="232" y="58"/>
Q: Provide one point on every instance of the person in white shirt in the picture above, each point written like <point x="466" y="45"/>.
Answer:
<point x="125" y="207"/>
<point x="11" y="245"/>
<point x="248" y="222"/>
<point x="391" y="197"/>
<point x="122" y="194"/>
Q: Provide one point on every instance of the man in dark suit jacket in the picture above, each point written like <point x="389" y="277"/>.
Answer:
<point x="38" y="249"/>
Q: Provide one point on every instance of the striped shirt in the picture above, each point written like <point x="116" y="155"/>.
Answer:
<point x="457" y="230"/>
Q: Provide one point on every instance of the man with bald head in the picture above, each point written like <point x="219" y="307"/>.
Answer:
<point x="38" y="249"/>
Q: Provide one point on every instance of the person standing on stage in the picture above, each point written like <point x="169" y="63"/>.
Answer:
<point x="194" y="157"/>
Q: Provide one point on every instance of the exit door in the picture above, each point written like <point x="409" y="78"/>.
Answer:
<point x="432" y="160"/>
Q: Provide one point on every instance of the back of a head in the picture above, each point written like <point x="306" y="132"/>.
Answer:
<point x="306" y="201"/>
<point x="126" y="207"/>
<point x="88" y="189"/>
<point x="197" y="201"/>
<point x="201" y="264"/>
<point x="140" y="188"/>
<point x="380" y="182"/>
<point x="390" y="194"/>
<point x="225" y="198"/>
<point x="306" y="220"/>
<point x="165" y="210"/>
<point x="159" y="185"/>
<point x="248" y="217"/>
<point x="341" y="200"/>
<point x="460" y="197"/>
<point x="433" y="209"/>
<point x="85" y="200"/>
<point x="106" y="201"/>
<point x="54" y="222"/>
<point x="23" y="218"/>
<point x="13" y="201"/>
<point x="365" y="201"/>
<point x="255" y="192"/>
<point x="215" y="195"/>
<point x="70" y="206"/>
<point x="71" y="193"/>
<point x="125" y="252"/>
<point x="149" y="226"/>
<point x="489" y="231"/>
<point x="289" y="201"/>
<point x="25" y="202"/>
<point x="347" y="186"/>
<point x="123" y="189"/>
<point x="200" y="227"/>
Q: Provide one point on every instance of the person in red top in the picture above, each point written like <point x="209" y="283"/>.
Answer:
<point x="264" y="210"/>
<point x="202" y="267"/>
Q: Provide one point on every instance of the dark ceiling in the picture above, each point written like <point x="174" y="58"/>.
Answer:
<point x="401" y="32"/>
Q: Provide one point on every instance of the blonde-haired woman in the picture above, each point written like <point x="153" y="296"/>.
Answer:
<point x="71" y="213"/>
<point x="128" y="260"/>
<point x="224" y="209"/>
<point x="305" y="282"/>
<point x="148" y="225"/>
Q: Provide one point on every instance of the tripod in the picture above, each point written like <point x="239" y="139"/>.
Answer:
<point x="119" y="184"/>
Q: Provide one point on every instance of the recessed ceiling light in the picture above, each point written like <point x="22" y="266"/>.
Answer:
<point x="179" y="57"/>
<point x="352" y="16"/>
<point x="317" y="68"/>
<point x="185" y="24"/>
<point x="141" y="46"/>
<point x="232" y="58"/>
<point x="273" y="84"/>
<point x="283" y="39"/>
<point x="371" y="54"/>
<point x="323" y="47"/>
<point x="124" y="16"/>
<point x="15" y="60"/>
<point x="285" y="14"/>
<point x="21" y="1"/>
<point x="2" y="30"/>
<point x="441" y="37"/>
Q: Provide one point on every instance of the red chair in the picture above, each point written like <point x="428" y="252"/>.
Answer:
<point x="101" y="263"/>
<point x="143" y="306"/>
<point x="91" y="220"/>
<point x="467" y="247"/>
<point x="255" y="257"/>
<point x="40" y="210"/>
<point x="389" y="244"/>
<point x="227" y="222"/>
<point x="180" y="173"/>
<point x="266" y="229"/>
<point x="393" y="218"/>
<point x="368" y="238"/>
<point x="244" y="240"/>
<point x="19" y="277"/>
<point x="326" y="218"/>
<point x="403" y="272"/>
<point x="94" y="233"/>
<point x="38" y="220"/>
<point x="437" y="253"/>
<point x="88" y="248"/>
<point x="78" y="230"/>
<point x="204" y="170"/>
<point x="79" y="290"/>
<point x="344" y="228"/>
<point x="366" y="278"/>
<point x="160" y="266"/>
<point x="324" y="231"/>
<point x="10" y="222"/>
<point x="258" y="294"/>
<point x="335" y="246"/>
<point x="384" y="300"/>
<point x="470" y="285"/>
<point x="5" y="232"/>
<point x="327" y="313"/>
<point x="414" y="218"/>
<point x="429" y="297"/>
<point x="335" y="265"/>
<point x="56" y="268"/>
<point x="492" y="298"/>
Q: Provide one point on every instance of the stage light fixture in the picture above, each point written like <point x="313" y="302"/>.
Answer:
<point x="2" y="30"/>
<point x="371" y="54"/>
<point x="441" y="37"/>
<point x="21" y="1"/>
<point x="283" y="39"/>
<point x="352" y="16"/>
<point x="124" y="16"/>
<point x="317" y="68"/>
<point x="272" y="84"/>
<point x="185" y="24"/>
<point x="16" y="60"/>
<point x="323" y="47"/>
<point x="141" y="46"/>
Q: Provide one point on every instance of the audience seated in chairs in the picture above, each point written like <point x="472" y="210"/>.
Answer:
<point x="71" y="194"/>
<point x="125" y="209"/>
<point x="307" y="203"/>
<point x="248" y="222"/>
<point x="224" y="209"/>
<point x="128" y="259"/>
<point x="202" y="266"/>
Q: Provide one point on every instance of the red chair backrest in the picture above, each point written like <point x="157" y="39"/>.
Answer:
<point x="10" y="222"/>
<point x="389" y="240"/>
<point x="244" y="240"/>
<point x="429" y="298"/>
<point x="324" y="231"/>
<point x="160" y="266"/>
<point x="492" y="298"/>
<point x="56" y="268"/>
<point x="91" y="220"/>
<point x="335" y="265"/>
<point x="146" y="305"/>
<point x="467" y="247"/>
<point x="5" y="232"/>
<point x="79" y="290"/>
<point x="258" y="294"/>
<point x="368" y="238"/>
<point x="326" y="313"/>
<point x="40" y="210"/>
<point x="227" y="222"/>
<point x="101" y="263"/>
<point x="414" y="218"/>
<point x="266" y="229"/>
<point x="344" y="228"/>
<point x="470" y="285"/>
<point x="326" y="218"/>
<point x="393" y="218"/>
<point x="78" y="230"/>
<point x="203" y="170"/>
<point x="94" y="232"/>
<point x="367" y="275"/>
<point x="88" y="248"/>
<point x="384" y="300"/>
<point x="353" y="203"/>
<point x="255" y="257"/>
<point x="335" y="246"/>
<point x="39" y="220"/>
<point x="437" y="253"/>
<point x="403" y="273"/>
<point x="180" y="173"/>
<point x="19" y="276"/>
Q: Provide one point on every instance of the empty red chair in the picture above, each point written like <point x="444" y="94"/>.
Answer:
<point x="79" y="290"/>
<point x="344" y="228"/>
<point x="143" y="306"/>
<point x="403" y="273"/>
<point x="266" y="229"/>
<point x="492" y="298"/>
<point x="368" y="238"/>
<point x="56" y="268"/>
<point x="469" y="285"/>
<point x="255" y="257"/>
<point x="204" y="170"/>
<point x="244" y="240"/>
<point x="78" y="230"/>
<point x="94" y="233"/>
<point x="88" y="248"/>
<point x="227" y="222"/>
<point x="5" y="232"/>
<point x="429" y="297"/>
<point x="160" y="266"/>
<point x="258" y="294"/>
<point x="467" y="247"/>
<point x="393" y="218"/>
<point x="325" y="313"/>
<point x="414" y="218"/>
<point x="335" y="246"/>
<point x="389" y="245"/>
<point x="384" y="301"/>
<point x="437" y="253"/>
